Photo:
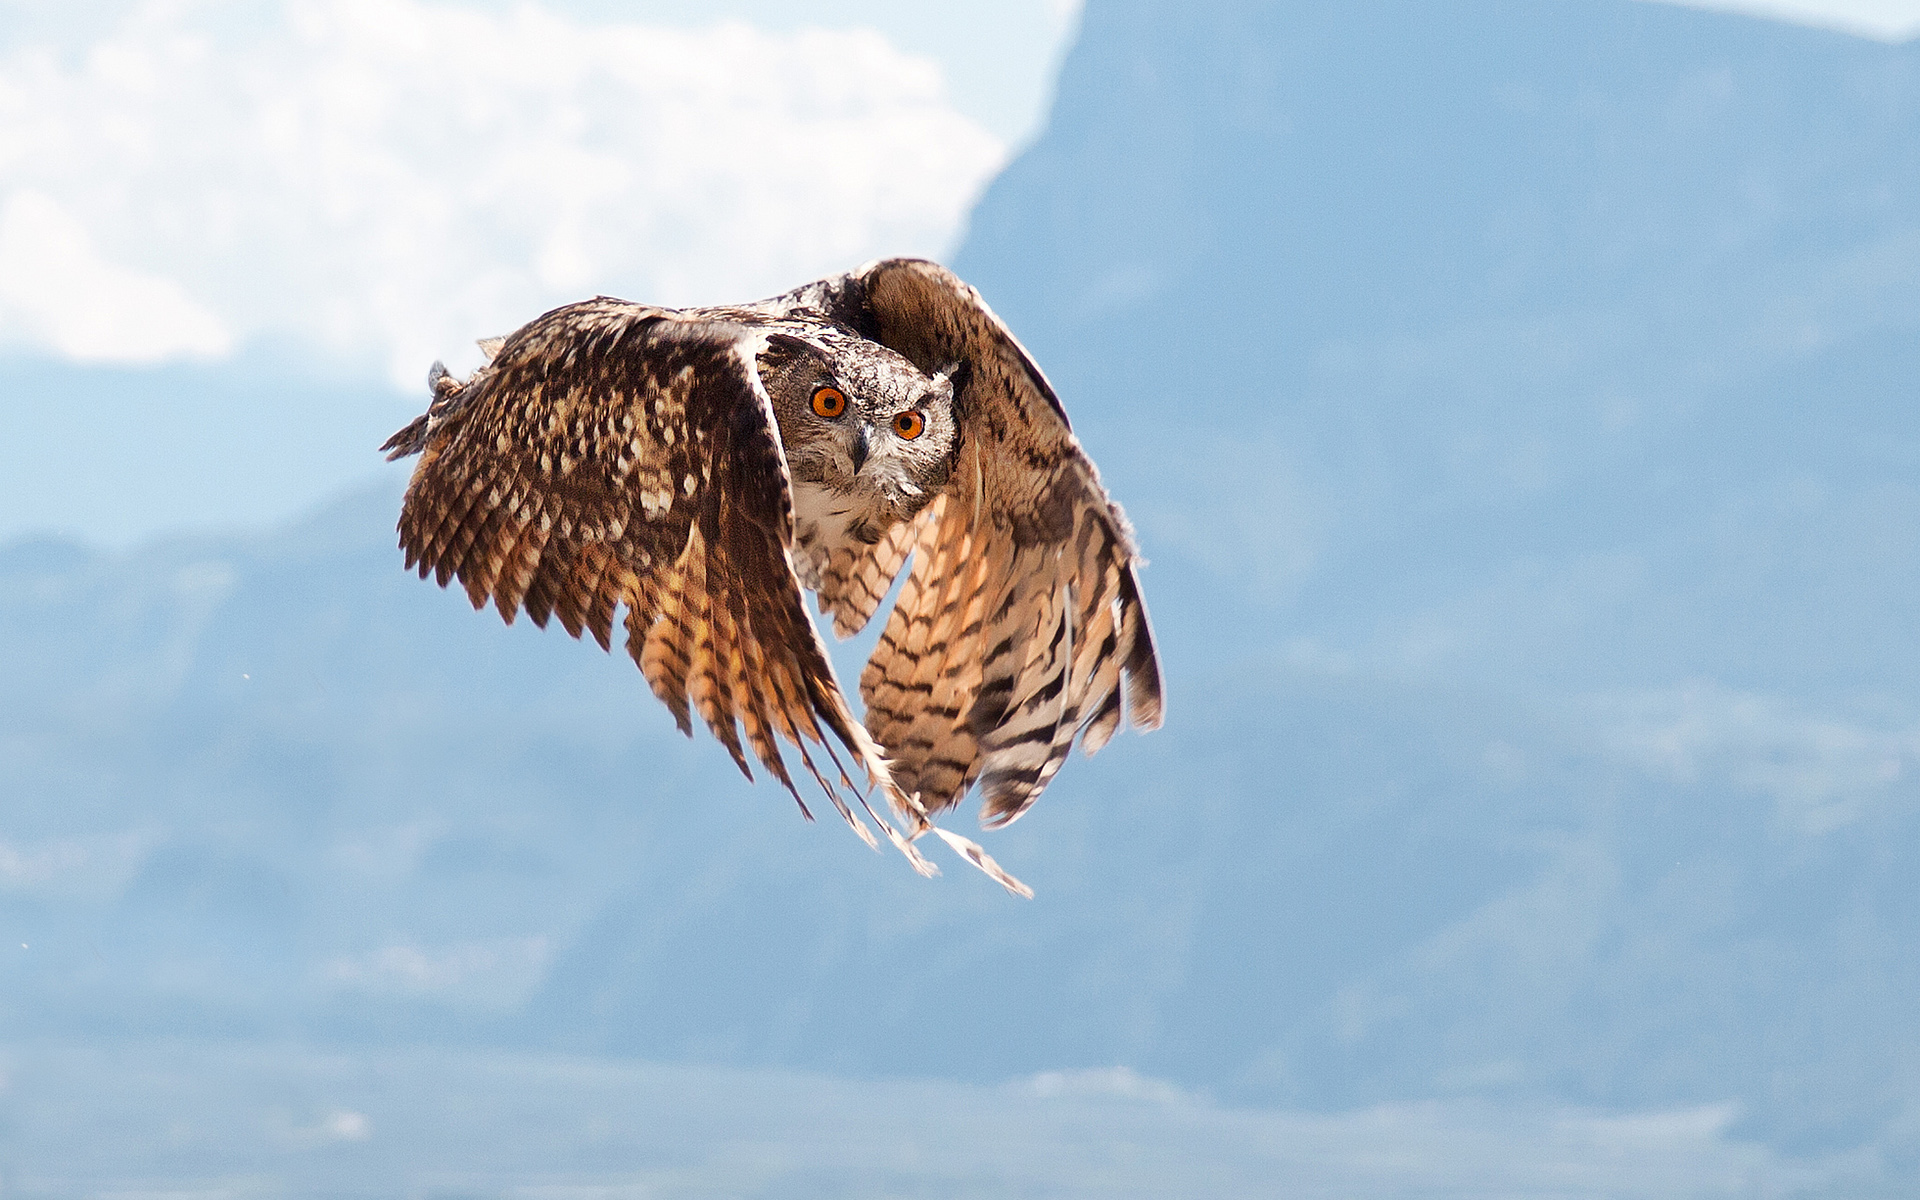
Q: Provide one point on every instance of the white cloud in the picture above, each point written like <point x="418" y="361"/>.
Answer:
<point x="24" y="867"/>
<point x="1822" y="771"/>
<point x="1886" y="20"/>
<point x="55" y="286"/>
<point x="340" y="1125"/>
<point x="487" y="973"/>
<point x="331" y="1128"/>
<point x="1108" y="1083"/>
<point x="93" y="867"/>
<point x="396" y="178"/>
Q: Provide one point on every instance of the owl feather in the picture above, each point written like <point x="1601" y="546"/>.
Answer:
<point x="1021" y="624"/>
<point x="616" y="456"/>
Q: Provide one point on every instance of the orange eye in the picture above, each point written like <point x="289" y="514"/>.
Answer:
<point x="829" y="401"/>
<point x="909" y="425"/>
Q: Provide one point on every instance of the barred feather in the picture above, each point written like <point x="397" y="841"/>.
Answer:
<point x="1020" y="625"/>
<point x="614" y="456"/>
<point x="856" y="578"/>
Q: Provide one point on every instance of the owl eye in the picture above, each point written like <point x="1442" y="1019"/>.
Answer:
<point x="829" y="401"/>
<point x="909" y="425"/>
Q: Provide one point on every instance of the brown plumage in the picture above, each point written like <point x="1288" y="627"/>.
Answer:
<point x="616" y="455"/>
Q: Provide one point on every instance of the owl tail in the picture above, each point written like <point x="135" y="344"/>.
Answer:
<point x="971" y="851"/>
<point x="904" y="845"/>
<point x="966" y="848"/>
<point x="915" y="814"/>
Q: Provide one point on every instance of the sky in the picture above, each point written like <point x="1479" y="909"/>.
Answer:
<point x="1888" y="20"/>
<point x="371" y="185"/>
<point x="386" y="179"/>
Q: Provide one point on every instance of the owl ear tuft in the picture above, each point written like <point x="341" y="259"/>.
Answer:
<point x="956" y="374"/>
<point x="786" y="343"/>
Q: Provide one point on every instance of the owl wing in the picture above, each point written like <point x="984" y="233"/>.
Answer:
<point x="611" y="455"/>
<point x="1020" y="624"/>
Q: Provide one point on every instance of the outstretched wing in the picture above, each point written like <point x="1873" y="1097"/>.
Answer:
<point x="614" y="455"/>
<point x="1021" y="624"/>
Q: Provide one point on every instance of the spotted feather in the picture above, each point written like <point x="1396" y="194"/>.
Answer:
<point x="612" y="455"/>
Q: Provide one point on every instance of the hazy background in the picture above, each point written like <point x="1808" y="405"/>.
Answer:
<point x="1513" y="397"/>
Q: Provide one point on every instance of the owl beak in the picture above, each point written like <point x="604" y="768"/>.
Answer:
<point x="862" y="445"/>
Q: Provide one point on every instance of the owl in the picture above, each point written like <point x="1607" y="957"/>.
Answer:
<point x="692" y="472"/>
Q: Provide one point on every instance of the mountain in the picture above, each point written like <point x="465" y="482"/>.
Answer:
<point x="1513" y="399"/>
<point x="1478" y="285"/>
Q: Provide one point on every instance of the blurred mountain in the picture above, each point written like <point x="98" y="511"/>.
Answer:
<point x="1513" y="398"/>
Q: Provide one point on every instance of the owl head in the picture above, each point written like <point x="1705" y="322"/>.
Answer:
<point x="861" y="420"/>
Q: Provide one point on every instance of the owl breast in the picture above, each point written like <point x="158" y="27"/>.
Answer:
<point x="827" y="520"/>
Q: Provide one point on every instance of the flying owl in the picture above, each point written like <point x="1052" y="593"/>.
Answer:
<point x="700" y="467"/>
